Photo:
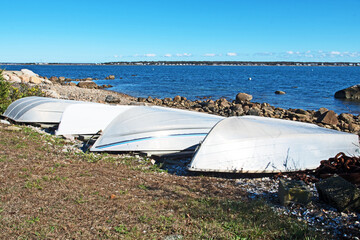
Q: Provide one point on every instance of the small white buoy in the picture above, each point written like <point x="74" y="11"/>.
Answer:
<point x="249" y="79"/>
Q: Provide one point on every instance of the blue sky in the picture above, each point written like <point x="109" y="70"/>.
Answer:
<point x="230" y="30"/>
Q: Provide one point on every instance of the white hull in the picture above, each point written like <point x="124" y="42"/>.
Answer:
<point x="38" y="109"/>
<point x="88" y="119"/>
<point x="155" y="130"/>
<point x="257" y="144"/>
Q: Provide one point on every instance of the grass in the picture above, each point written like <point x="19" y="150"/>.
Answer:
<point x="46" y="193"/>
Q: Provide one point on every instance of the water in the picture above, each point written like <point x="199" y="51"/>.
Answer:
<point x="305" y="87"/>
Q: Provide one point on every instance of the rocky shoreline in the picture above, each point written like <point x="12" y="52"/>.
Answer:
<point x="87" y="90"/>
<point x="317" y="214"/>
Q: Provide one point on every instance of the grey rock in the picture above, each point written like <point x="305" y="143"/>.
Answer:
<point x="112" y="99"/>
<point x="174" y="237"/>
<point x="254" y="111"/>
<point x="339" y="193"/>
<point x="352" y="93"/>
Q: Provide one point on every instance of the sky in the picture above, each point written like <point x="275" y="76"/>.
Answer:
<point x="188" y="30"/>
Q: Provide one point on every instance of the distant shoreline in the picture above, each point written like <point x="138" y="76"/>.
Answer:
<point x="199" y="63"/>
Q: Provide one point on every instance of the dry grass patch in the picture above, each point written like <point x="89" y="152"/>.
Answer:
<point x="48" y="193"/>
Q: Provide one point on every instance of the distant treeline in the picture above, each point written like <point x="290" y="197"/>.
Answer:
<point x="208" y="63"/>
<point x="239" y="63"/>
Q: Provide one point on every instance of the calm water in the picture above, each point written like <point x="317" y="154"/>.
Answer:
<point x="305" y="87"/>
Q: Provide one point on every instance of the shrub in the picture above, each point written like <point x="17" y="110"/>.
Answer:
<point x="10" y="93"/>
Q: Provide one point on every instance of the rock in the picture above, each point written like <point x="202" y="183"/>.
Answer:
<point x="87" y="84"/>
<point x="242" y="97"/>
<point x="353" y="127"/>
<point x="280" y="92"/>
<point x="112" y="99"/>
<point x="50" y="93"/>
<point x="177" y="99"/>
<point x="70" y="84"/>
<point x="173" y="237"/>
<point x="158" y="101"/>
<point x="254" y="111"/>
<point x="346" y="117"/>
<point x="339" y="193"/>
<point x="293" y="191"/>
<point x="141" y="99"/>
<point x="4" y="122"/>
<point x="301" y="111"/>
<point x="62" y="79"/>
<point x="14" y="78"/>
<point x="167" y="100"/>
<point x="150" y="99"/>
<point x="110" y="77"/>
<point x="53" y="79"/>
<point x="320" y="112"/>
<point x="24" y="79"/>
<point x="29" y="73"/>
<point x="352" y="93"/>
<point x="35" y="80"/>
<point x="50" y="82"/>
<point x="329" y="117"/>
<point x="6" y="77"/>
<point x="12" y="128"/>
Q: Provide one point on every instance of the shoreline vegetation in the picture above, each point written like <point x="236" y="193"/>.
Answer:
<point x="204" y="63"/>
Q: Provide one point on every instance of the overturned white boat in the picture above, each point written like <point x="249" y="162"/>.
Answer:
<point x="156" y="130"/>
<point x="252" y="144"/>
<point x="88" y="119"/>
<point x="38" y="109"/>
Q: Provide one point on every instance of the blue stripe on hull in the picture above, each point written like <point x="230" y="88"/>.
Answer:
<point x="150" y="138"/>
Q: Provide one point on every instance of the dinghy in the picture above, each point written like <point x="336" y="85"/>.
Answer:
<point x="156" y="130"/>
<point x="252" y="144"/>
<point x="38" y="109"/>
<point x="88" y="119"/>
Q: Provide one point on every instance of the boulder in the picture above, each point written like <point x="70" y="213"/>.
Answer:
<point x="110" y="77"/>
<point x="352" y="93"/>
<point x="280" y="92"/>
<point x="6" y="77"/>
<point x="62" y="79"/>
<point x="112" y="99"/>
<point x="24" y="78"/>
<point x="346" y="117"/>
<point x="53" y="79"/>
<point x="329" y="117"/>
<point x="353" y="127"/>
<point x="14" y="78"/>
<point x="339" y="193"/>
<point x="293" y="191"/>
<point x="50" y="93"/>
<point x="242" y="97"/>
<point x="35" y="80"/>
<point x="177" y="98"/>
<point x="87" y="84"/>
<point x="150" y="99"/>
<point x="141" y="99"/>
<point x="29" y="73"/>
<point x="254" y="111"/>
<point x="320" y="112"/>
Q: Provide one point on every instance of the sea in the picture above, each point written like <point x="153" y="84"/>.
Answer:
<point x="306" y="87"/>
